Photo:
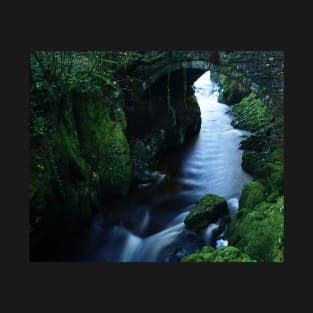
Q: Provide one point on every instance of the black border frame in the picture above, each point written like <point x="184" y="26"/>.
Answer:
<point x="50" y="286"/>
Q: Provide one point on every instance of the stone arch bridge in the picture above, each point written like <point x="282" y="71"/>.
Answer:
<point x="260" y="71"/>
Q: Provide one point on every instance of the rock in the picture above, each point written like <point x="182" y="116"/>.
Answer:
<point x="260" y="232"/>
<point x="206" y="211"/>
<point x="224" y="254"/>
<point x="257" y="142"/>
<point x="273" y="177"/>
<point x="253" y="162"/>
<point x="251" y="114"/>
<point x="230" y="92"/>
<point x="252" y="194"/>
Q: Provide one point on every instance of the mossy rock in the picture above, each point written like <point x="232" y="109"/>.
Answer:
<point x="251" y="162"/>
<point x="260" y="233"/>
<point x="268" y="168"/>
<point x="273" y="172"/>
<point x="224" y="254"/>
<point x="103" y="143"/>
<point x="115" y="167"/>
<point x="258" y="142"/>
<point x="251" y="114"/>
<point x="84" y="153"/>
<point x="252" y="194"/>
<point x="230" y="91"/>
<point x="206" y="211"/>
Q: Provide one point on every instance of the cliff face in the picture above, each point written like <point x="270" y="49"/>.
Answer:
<point x="80" y="153"/>
<point x="164" y="116"/>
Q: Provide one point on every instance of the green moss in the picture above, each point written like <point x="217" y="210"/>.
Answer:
<point x="115" y="166"/>
<point x="230" y="91"/>
<point x="56" y="191"/>
<point x="206" y="211"/>
<point x="251" y="114"/>
<point x="100" y="126"/>
<point x="259" y="141"/>
<point x="252" y="194"/>
<point x="84" y="153"/>
<point x="251" y="162"/>
<point x="260" y="233"/>
<point x="76" y="167"/>
<point x="273" y="196"/>
<point x="273" y="172"/>
<point x="225" y="254"/>
<point x="268" y="168"/>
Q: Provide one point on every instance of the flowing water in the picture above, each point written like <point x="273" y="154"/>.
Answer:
<point x="148" y="224"/>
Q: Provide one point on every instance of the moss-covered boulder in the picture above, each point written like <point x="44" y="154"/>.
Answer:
<point x="252" y="194"/>
<point x="206" y="211"/>
<point x="251" y="114"/>
<point x="225" y="254"/>
<point x="260" y="232"/>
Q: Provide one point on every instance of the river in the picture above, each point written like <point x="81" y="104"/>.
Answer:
<point x="147" y="225"/>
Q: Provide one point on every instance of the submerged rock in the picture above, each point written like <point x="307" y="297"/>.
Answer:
<point x="206" y="211"/>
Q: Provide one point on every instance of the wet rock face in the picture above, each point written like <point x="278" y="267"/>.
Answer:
<point x="206" y="211"/>
<point x="165" y="116"/>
